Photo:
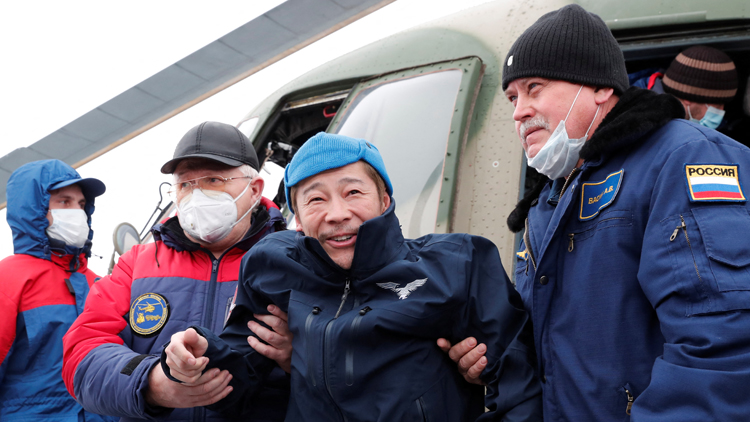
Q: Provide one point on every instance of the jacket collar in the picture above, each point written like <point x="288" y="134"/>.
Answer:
<point x="379" y="242"/>
<point x="637" y="113"/>
<point x="70" y="263"/>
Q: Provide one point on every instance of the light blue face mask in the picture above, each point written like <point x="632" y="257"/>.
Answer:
<point x="560" y="154"/>
<point x="712" y="119"/>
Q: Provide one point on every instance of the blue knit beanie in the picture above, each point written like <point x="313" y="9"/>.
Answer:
<point x="326" y="151"/>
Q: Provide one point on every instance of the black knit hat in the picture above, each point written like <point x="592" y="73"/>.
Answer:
<point x="216" y="141"/>
<point x="701" y="74"/>
<point x="569" y="44"/>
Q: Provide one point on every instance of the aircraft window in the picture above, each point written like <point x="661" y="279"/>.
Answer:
<point x="409" y="120"/>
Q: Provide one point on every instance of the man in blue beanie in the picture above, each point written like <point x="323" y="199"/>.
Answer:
<point x="366" y="307"/>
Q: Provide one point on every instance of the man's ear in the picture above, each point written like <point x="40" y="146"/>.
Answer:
<point x="298" y="224"/>
<point x="386" y="202"/>
<point x="256" y="186"/>
<point x="603" y="94"/>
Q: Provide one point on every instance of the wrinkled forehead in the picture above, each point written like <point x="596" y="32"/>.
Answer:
<point x="351" y="173"/>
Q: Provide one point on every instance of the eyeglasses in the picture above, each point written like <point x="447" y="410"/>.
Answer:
<point x="214" y="183"/>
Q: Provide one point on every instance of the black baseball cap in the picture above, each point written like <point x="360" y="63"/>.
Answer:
<point x="216" y="141"/>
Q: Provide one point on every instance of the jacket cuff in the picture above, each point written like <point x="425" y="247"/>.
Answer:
<point x="163" y="357"/>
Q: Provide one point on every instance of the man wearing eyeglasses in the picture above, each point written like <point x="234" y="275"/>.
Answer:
<point x="188" y="276"/>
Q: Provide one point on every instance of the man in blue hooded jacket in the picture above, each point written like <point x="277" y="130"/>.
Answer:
<point x="43" y="288"/>
<point x="366" y="307"/>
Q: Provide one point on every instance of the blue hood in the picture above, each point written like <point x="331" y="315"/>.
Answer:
<point x="28" y="202"/>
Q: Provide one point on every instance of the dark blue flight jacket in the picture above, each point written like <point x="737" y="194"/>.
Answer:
<point x="637" y="274"/>
<point x="365" y="339"/>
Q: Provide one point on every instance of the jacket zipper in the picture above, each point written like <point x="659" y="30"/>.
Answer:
<point x="343" y="298"/>
<point x="212" y="294"/>
<point x="571" y="245"/>
<point x="349" y="352"/>
<point x="631" y="399"/>
<point x="683" y="227"/>
<point x="327" y="346"/>
<point x="567" y="181"/>
<point x="527" y="241"/>
<point x="310" y="357"/>
<point x="526" y="233"/>
<point x="199" y="412"/>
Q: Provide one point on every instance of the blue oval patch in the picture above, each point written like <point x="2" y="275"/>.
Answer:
<point x="148" y="314"/>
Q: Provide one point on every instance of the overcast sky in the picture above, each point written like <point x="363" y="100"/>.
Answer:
<point x="63" y="59"/>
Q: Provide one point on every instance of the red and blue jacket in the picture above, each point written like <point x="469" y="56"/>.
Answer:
<point x="44" y="286"/>
<point x="154" y="291"/>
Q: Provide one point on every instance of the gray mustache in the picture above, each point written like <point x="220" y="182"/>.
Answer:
<point x="537" y="121"/>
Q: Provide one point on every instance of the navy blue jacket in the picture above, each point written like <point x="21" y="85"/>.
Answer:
<point x="112" y="346"/>
<point x="378" y="360"/>
<point x="637" y="274"/>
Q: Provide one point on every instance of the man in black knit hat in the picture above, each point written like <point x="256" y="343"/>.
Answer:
<point x="634" y="263"/>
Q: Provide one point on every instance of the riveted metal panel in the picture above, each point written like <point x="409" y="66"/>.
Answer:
<point x="94" y="125"/>
<point x="60" y="145"/>
<point x="213" y="60"/>
<point x="301" y="16"/>
<point x="171" y="83"/>
<point x="263" y="35"/>
<point x="131" y="104"/>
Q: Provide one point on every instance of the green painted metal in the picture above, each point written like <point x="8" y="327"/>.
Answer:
<point x="655" y="13"/>
<point x="402" y="51"/>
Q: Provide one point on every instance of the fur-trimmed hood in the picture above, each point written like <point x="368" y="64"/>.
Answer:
<point x="637" y="113"/>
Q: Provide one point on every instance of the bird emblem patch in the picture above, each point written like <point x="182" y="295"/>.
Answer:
<point x="403" y="292"/>
<point x="148" y="314"/>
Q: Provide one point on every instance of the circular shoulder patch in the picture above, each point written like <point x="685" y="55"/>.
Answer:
<point x="148" y="314"/>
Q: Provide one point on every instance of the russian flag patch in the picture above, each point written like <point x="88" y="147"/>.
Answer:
<point x="714" y="182"/>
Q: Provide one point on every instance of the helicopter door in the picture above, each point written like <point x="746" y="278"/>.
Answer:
<point x="419" y="120"/>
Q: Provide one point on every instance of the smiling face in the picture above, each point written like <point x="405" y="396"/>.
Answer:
<point x="541" y="104"/>
<point x="333" y="204"/>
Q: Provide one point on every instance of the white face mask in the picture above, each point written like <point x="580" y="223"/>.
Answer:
<point x="70" y="226"/>
<point x="558" y="157"/>
<point x="210" y="215"/>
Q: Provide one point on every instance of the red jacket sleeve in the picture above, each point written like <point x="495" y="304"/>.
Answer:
<point x="102" y="318"/>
